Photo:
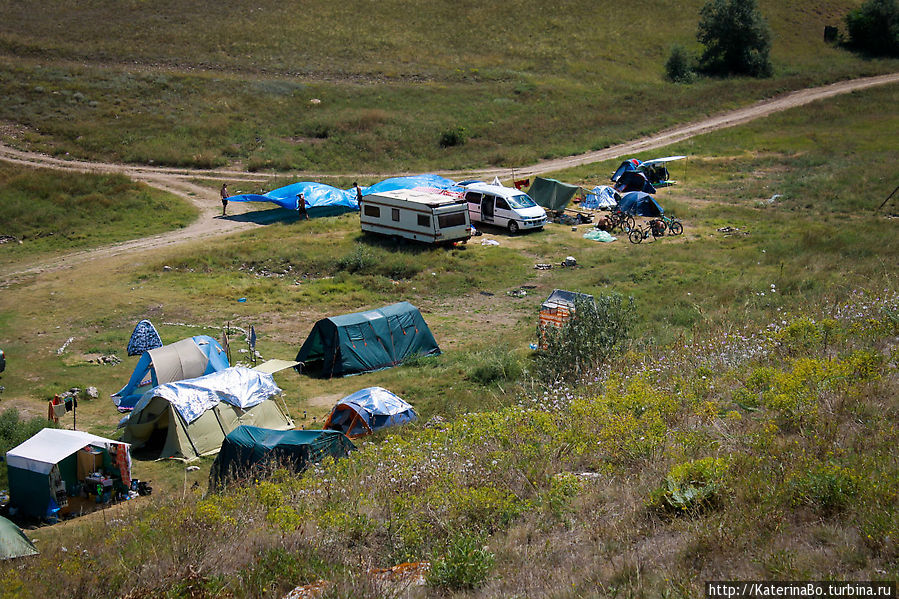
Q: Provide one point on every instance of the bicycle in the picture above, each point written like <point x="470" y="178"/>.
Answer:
<point x="673" y="225"/>
<point x="655" y="228"/>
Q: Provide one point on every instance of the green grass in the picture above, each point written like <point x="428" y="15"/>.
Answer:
<point x="234" y="84"/>
<point x="51" y="212"/>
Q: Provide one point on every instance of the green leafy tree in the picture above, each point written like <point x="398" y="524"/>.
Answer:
<point x="679" y="66"/>
<point x="736" y="37"/>
<point x="874" y="27"/>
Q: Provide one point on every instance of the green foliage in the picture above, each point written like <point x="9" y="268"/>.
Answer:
<point x="494" y="365"/>
<point x="14" y="430"/>
<point x="465" y="563"/>
<point x="456" y="136"/>
<point x="595" y="332"/>
<point x="736" y="37"/>
<point x="679" y="66"/>
<point x="276" y="571"/>
<point x="828" y="488"/>
<point x="874" y="27"/>
<point x="691" y="486"/>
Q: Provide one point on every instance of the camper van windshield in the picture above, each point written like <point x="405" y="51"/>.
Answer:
<point x="521" y="201"/>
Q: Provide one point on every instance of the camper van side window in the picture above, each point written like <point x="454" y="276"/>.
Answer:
<point x="454" y="219"/>
<point x="501" y="204"/>
<point x="395" y="214"/>
<point x="424" y="220"/>
<point x="372" y="211"/>
<point x="473" y="198"/>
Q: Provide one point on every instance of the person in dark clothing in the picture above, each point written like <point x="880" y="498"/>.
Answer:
<point x="224" y="198"/>
<point x="358" y="191"/>
<point x="301" y="206"/>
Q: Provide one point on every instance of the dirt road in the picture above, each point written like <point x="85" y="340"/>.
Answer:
<point x="179" y="180"/>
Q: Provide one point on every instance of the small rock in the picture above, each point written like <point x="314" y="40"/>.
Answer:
<point x="192" y="468"/>
<point x="166" y="268"/>
<point x="93" y="393"/>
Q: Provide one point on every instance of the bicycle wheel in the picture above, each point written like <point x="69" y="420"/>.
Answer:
<point x="629" y="220"/>
<point x="636" y="236"/>
<point x="677" y="228"/>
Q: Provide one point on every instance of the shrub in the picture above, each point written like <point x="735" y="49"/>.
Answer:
<point x="594" y="333"/>
<point x="827" y="488"/>
<point x="736" y="37"/>
<point x="874" y="27"/>
<point x="690" y="486"/>
<point x="494" y="365"/>
<point x="679" y="66"/>
<point x="456" y="136"/>
<point x="466" y="564"/>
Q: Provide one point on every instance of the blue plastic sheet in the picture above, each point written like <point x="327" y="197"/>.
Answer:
<point x="326" y="200"/>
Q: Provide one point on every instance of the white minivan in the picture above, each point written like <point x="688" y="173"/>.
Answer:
<point x="503" y="207"/>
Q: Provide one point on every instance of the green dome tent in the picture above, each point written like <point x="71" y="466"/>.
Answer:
<point x="366" y="341"/>
<point x="552" y="194"/>
<point x="13" y="542"/>
<point x="249" y="448"/>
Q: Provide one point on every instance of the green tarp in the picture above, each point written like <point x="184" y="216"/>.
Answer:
<point x="366" y="341"/>
<point x="249" y="447"/>
<point x="552" y="194"/>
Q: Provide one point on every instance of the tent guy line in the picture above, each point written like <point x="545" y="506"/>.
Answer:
<point x="177" y="181"/>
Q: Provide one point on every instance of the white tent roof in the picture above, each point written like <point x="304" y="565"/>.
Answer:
<point x="50" y="446"/>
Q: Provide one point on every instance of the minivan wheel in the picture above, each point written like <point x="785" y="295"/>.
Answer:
<point x="513" y="227"/>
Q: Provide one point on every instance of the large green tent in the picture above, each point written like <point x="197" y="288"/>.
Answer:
<point x="552" y="194"/>
<point x="13" y="542"/>
<point x="250" y="447"/>
<point x="366" y="341"/>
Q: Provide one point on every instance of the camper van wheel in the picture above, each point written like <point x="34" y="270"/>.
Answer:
<point x="513" y="227"/>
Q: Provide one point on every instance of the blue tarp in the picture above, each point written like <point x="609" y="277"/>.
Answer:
<point x="640" y="203"/>
<point x="369" y="410"/>
<point x="326" y="200"/>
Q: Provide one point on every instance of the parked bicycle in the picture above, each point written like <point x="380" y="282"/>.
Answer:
<point x="654" y="228"/>
<point x="673" y="225"/>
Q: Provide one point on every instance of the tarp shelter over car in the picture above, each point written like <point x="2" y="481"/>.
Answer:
<point x="186" y="359"/>
<point x="369" y="410"/>
<point x="44" y="467"/>
<point x="366" y="341"/>
<point x="143" y="338"/>
<point x="190" y="418"/>
<point x="552" y="194"/>
<point x="13" y="542"/>
<point x="249" y="447"/>
<point x="640" y="203"/>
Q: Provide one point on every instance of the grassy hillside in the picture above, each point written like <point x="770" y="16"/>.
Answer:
<point x="236" y="83"/>
<point x="51" y="212"/>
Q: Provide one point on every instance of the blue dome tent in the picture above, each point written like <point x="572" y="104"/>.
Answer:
<point x="640" y="203"/>
<point x="369" y="410"/>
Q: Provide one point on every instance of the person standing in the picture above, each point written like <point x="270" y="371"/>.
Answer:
<point x="358" y="192"/>
<point x="301" y="206"/>
<point x="224" y="198"/>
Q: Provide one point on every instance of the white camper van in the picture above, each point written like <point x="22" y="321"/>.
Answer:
<point x="415" y="214"/>
<point x="504" y="207"/>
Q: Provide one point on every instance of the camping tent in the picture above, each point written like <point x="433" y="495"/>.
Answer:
<point x="369" y="410"/>
<point x="13" y="542"/>
<point x="552" y="194"/>
<point x="366" y="341"/>
<point x="601" y="197"/>
<point x="251" y="446"/>
<point x="633" y="181"/>
<point x="186" y="359"/>
<point x="640" y="203"/>
<point x="191" y="418"/>
<point x="44" y="467"/>
<point x="143" y="338"/>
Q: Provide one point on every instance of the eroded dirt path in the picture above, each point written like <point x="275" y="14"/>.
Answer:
<point x="180" y="180"/>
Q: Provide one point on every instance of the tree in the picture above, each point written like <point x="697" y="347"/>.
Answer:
<point x="874" y="27"/>
<point x="736" y="37"/>
<point x="679" y="66"/>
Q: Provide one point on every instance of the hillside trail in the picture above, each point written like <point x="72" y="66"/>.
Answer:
<point x="180" y="181"/>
